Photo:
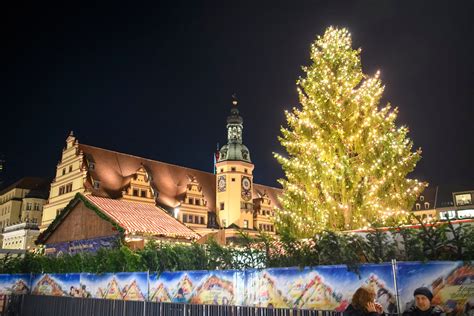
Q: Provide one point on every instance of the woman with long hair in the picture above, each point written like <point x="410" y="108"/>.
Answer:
<point x="364" y="304"/>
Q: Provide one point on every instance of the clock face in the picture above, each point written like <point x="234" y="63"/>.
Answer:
<point x="246" y="195"/>
<point x="221" y="183"/>
<point x="246" y="188"/>
<point x="245" y="183"/>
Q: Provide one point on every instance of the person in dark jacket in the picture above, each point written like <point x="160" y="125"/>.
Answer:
<point x="422" y="305"/>
<point x="363" y="304"/>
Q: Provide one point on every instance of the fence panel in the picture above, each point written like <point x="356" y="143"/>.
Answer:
<point x="36" y="305"/>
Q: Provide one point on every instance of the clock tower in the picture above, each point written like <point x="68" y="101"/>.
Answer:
<point x="234" y="177"/>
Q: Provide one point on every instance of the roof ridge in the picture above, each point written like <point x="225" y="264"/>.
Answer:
<point x="166" y="163"/>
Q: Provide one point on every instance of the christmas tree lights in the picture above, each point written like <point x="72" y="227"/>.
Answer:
<point x="347" y="161"/>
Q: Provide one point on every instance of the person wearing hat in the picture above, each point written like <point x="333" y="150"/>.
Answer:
<point x="422" y="305"/>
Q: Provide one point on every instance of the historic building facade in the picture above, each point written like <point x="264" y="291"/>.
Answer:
<point x="205" y="202"/>
<point x="21" y="209"/>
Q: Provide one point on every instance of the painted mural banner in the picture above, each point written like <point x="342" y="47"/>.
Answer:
<point x="64" y="284"/>
<point x="79" y="246"/>
<point x="224" y="287"/>
<point x="127" y="286"/>
<point x="452" y="284"/>
<point x="320" y="287"/>
<point x="15" y="284"/>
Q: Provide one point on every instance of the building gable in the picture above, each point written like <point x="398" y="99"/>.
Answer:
<point x="81" y="223"/>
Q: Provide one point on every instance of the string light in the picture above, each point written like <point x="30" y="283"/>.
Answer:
<point x="347" y="163"/>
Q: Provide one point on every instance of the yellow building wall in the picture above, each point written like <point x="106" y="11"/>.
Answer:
<point x="10" y="206"/>
<point x="231" y="197"/>
<point x="68" y="171"/>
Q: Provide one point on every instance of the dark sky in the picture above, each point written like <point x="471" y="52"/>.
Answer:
<point x="156" y="80"/>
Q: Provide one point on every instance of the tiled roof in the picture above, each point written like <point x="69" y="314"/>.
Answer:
<point x="114" y="170"/>
<point x="142" y="218"/>
<point x="30" y="183"/>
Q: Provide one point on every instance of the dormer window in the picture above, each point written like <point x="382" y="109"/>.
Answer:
<point x="143" y="193"/>
<point x="417" y="206"/>
<point x="427" y="205"/>
<point x="135" y="192"/>
<point x="96" y="185"/>
<point x="190" y="201"/>
<point x="91" y="165"/>
<point x="422" y="198"/>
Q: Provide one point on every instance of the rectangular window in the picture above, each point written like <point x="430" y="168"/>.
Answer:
<point x="37" y="207"/>
<point x="233" y="169"/>
<point x="463" y="199"/>
<point x="198" y="202"/>
<point x="190" y="217"/>
<point x="222" y="206"/>
<point x="190" y="201"/>
<point x="202" y="220"/>
<point x="69" y="187"/>
<point x="70" y="168"/>
<point x="246" y="223"/>
<point x="185" y="218"/>
<point x="143" y="193"/>
<point x="233" y="179"/>
<point x="28" y="206"/>
<point x="196" y="219"/>
<point x="135" y="192"/>
<point x="64" y="171"/>
<point x="61" y="190"/>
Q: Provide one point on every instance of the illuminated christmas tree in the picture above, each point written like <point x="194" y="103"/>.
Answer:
<point x="347" y="162"/>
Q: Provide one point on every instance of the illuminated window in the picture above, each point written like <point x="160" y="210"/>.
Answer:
<point x="427" y="205"/>
<point x="28" y="206"/>
<point x="463" y="199"/>
<point x="417" y="205"/>
<point x="37" y="207"/>
<point x="246" y="223"/>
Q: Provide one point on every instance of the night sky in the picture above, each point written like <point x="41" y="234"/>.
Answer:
<point x="156" y="81"/>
